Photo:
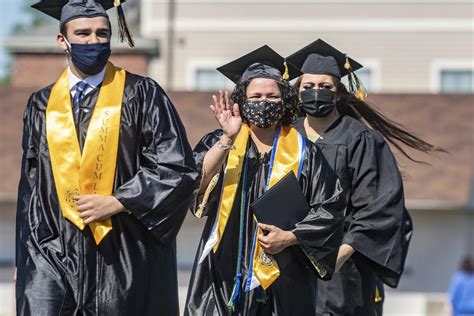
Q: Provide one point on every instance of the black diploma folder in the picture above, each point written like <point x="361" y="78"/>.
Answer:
<point x="283" y="205"/>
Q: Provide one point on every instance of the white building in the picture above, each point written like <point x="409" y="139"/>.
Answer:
<point x="406" y="46"/>
<point x="410" y="49"/>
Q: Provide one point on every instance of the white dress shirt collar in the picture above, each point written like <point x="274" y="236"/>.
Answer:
<point x="94" y="81"/>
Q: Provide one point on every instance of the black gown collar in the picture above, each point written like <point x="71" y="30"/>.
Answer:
<point x="254" y="154"/>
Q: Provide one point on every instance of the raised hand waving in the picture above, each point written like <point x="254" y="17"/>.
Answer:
<point x="227" y="115"/>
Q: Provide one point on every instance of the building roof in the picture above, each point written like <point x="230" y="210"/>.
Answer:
<point x="42" y="39"/>
<point x="444" y="120"/>
<point x="46" y="44"/>
<point x="446" y="181"/>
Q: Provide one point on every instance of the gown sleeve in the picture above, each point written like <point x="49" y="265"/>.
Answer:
<point x="210" y="198"/>
<point x="380" y="228"/>
<point x="159" y="193"/>
<point x="29" y="164"/>
<point x="320" y="232"/>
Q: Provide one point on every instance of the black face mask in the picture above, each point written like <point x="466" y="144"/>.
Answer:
<point x="90" y="58"/>
<point x="317" y="103"/>
<point x="263" y="113"/>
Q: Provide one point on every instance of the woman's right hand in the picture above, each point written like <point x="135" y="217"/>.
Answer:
<point x="227" y="115"/>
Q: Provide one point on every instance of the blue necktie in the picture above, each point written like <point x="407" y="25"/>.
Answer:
<point x="81" y="87"/>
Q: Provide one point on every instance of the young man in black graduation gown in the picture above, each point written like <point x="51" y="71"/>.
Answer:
<point x="88" y="253"/>
<point x="377" y="228"/>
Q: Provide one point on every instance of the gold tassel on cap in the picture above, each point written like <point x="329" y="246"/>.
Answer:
<point x="122" y="24"/>
<point x="355" y="85"/>
<point x="286" y="74"/>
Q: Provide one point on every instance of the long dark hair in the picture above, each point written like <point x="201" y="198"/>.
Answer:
<point x="395" y="133"/>
<point x="289" y="95"/>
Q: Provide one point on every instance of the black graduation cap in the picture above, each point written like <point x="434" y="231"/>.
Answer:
<point x="263" y="62"/>
<point x="67" y="10"/>
<point x="321" y="58"/>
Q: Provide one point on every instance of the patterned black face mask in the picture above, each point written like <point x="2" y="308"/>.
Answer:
<point x="263" y="113"/>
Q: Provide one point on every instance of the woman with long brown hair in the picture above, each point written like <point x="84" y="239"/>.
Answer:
<point x="353" y="138"/>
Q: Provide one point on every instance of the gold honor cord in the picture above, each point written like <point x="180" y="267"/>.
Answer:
<point x="93" y="172"/>
<point x="287" y="158"/>
<point x="233" y="171"/>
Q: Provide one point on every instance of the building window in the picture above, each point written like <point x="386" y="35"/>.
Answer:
<point x="457" y="81"/>
<point x="209" y="79"/>
<point x="365" y="76"/>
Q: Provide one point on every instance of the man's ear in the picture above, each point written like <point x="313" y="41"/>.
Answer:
<point x="61" y="40"/>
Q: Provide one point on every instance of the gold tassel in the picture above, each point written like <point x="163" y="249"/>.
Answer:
<point x="378" y="297"/>
<point x="355" y="85"/>
<point x="347" y="65"/>
<point x="122" y="24"/>
<point x="286" y="74"/>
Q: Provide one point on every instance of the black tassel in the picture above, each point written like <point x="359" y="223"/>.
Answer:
<point x="124" y="32"/>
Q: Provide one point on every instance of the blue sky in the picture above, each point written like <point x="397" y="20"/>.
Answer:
<point x="11" y="13"/>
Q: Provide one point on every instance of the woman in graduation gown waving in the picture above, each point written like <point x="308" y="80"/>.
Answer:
<point x="377" y="228"/>
<point x="234" y="272"/>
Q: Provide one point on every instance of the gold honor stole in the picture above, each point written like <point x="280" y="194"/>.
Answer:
<point x="288" y="156"/>
<point x="93" y="171"/>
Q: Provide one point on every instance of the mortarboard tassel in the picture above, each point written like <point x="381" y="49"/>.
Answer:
<point x="122" y="24"/>
<point x="355" y="85"/>
<point x="286" y="74"/>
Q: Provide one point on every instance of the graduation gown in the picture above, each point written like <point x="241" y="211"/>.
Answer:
<point x="61" y="270"/>
<point x="377" y="224"/>
<point x="319" y="235"/>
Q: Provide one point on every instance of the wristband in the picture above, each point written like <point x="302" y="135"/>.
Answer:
<point x="224" y="147"/>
